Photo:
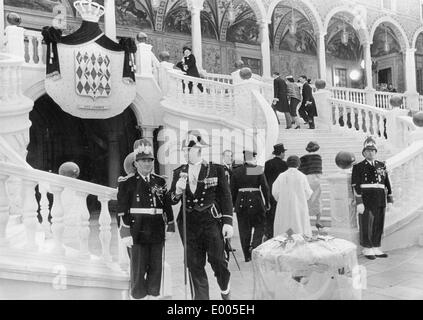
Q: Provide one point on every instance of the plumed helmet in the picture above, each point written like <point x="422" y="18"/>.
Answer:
<point x="369" y="144"/>
<point x="194" y="140"/>
<point x="143" y="149"/>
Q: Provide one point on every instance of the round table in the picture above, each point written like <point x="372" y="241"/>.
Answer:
<point x="322" y="268"/>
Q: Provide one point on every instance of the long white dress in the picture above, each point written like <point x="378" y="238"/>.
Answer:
<point x="291" y="190"/>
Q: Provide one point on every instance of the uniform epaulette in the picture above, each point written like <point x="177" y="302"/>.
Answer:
<point x="122" y="179"/>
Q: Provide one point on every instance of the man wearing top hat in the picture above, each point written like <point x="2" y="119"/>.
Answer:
<point x="272" y="169"/>
<point x="372" y="191"/>
<point x="208" y="216"/>
<point x="143" y="213"/>
<point x="188" y="65"/>
<point x="251" y="199"/>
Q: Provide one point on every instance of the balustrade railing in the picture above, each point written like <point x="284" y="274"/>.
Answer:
<point x="405" y="170"/>
<point x="218" y="77"/>
<point x="200" y="95"/>
<point x="349" y="94"/>
<point x="35" y="49"/>
<point x="355" y="117"/>
<point x="10" y="79"/>
<point x="383" y="98"/>
<point x="421" y="103"/>
<point x="69" y="209"/>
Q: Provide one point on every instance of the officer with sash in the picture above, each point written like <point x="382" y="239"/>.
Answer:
<point x="208" y="217"/>
<point x="144" y="212"/>
<point x="372" y="190"/>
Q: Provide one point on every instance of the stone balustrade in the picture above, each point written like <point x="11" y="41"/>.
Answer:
<point x="69" y="210"/>
<point x="355" y="117"/>
<point x="349" y="94"/>
<point x="35" y="49"/>
<point x="10" y="79"/>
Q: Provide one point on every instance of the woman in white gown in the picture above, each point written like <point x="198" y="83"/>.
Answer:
<point x="291" y="190"/>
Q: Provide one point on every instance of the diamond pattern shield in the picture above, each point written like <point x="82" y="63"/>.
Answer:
<point x="92" y="74"/>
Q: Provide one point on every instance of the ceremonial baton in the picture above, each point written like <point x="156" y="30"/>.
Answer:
<point x="184" y="218"/>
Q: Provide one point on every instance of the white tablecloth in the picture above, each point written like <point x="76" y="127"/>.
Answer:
<point x="325" y="269"/>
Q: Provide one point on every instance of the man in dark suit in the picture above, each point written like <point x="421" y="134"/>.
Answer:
<point x="251" y="199"/>
<point x="280" y="101"/>
<point x="143" y="213"/>
<point x="272" y="169"/>
<point x="189" y="66"/>
<point x="208" y="217"/>
<point x="372" y="190"/>
<point x="308" y="108"/>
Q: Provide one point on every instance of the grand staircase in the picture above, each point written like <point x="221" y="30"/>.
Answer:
<point x="331" y="141"/>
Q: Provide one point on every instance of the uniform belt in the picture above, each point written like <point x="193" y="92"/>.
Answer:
<point x="249" y="189"/>
<point x="373" y="186"/>
<point x="151" y="211"/>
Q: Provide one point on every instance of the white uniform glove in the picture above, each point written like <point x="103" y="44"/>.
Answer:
<point x="125" y="234"/>
<point x="360" y="208"/>
<point x="227" y="231"/>
<point x="181" y="185"/>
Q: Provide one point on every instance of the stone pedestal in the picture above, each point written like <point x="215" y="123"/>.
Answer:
<point x="371" y="97"/>
<point x="144" y="63"/>
<point x="393" y="128"/>
<point x="15" y="41"/>
<point x="343" y="208"/>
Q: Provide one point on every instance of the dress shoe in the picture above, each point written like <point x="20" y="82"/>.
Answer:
<point x="297" y="127"/>
<point x="248" y="259"/>
<point x="379" y="253"/>
<point x="319" y="226"/>
<point x="226" y="296"/>
<point x="287" y="128"/>
<point x="370" y="257"/>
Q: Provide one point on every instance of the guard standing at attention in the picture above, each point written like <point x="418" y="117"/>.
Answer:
<point x="251" y="199"/>
<point x="143" y="213"/>
<point x="208" y="217"/>
<point x="373" y="190"/>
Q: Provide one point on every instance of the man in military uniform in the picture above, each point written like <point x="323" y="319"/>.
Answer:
<point x="208" y="217"/>
<point x="372" y="189"/>
<point x="272" y="169"/>
<point x="144" y="212"/>
<point x="251" y="199"/>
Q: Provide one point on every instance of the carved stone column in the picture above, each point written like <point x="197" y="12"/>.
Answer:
<point x="195" y="7"/>
<point x="265" y="48"/>
<point x="110" y="19"/>
<point x="411" y="82"/>
<point x="321" y="52"/>
<point x="368" y="65"/>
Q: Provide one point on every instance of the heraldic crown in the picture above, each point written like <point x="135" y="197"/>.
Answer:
<point x="143" y="149"/>
<point x="89" y="11"/>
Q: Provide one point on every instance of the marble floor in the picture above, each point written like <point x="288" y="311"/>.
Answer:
<point x="398" y="277"/>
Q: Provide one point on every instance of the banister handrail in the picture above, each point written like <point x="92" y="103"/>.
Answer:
<point x="405" y="155"/>
<point x="31" y="174"/>
<point x="360" y="106"/>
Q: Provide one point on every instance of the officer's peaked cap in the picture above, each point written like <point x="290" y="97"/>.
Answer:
<point x="194" y="140"/>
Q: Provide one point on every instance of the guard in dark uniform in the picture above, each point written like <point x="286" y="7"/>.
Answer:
<point x="144" y="211"/>
<point x="372" y="189"/>
<point x="208" y="217"/>
<point x="251" y="197"/>
<point x="272" y="169"/>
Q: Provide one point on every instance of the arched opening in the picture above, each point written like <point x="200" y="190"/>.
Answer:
<point x="388" y="58"/>
<point x="99" y="147"/>
<point x="293" y="41"/>
<point x="344" y="52"/>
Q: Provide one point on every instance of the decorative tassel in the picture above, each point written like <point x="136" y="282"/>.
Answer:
<point x="51" y="53"/>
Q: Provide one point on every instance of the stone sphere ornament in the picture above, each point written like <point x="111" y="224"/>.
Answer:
<point x="142" y="37"/>
<point x="418" y="119"/>
<point x="128" y="164"/>
<point x="69" y="169"/>
<point x="396" y="101"/>
<point x="345" y="159"/>
<point x="245" y="73"/>
<point x="320" y="84"/>
<point x="14" y="19"/>
<point x="164" y="56"/>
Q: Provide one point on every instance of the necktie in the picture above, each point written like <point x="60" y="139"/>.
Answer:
<point x="147" y="179"/>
